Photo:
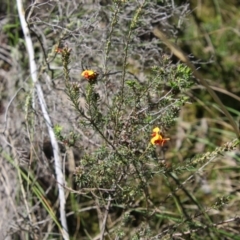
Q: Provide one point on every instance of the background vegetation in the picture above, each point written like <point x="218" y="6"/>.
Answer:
<point x="118" y="185"/>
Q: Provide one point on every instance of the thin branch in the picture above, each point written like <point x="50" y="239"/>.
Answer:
<point x="57" y="157"/>
<point x="103" y="227"/>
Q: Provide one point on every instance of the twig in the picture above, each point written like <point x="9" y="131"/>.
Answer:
<point x="57" y="157"/>
<point x="103" y="227"/>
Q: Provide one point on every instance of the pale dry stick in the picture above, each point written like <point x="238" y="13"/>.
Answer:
<point x="103" y="227"/>
<point x="82" y="210"/>
<point x="31" y="10"/>
<point x="57" y="157"/>
<point x="183" y="57"/>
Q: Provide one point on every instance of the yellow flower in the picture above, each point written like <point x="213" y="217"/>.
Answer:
<point x="157" y="137"/>
<point x="89" y="75"/>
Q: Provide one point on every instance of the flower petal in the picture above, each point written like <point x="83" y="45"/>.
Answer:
<point x="157" y="137"/>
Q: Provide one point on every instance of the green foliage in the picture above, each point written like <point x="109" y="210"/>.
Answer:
<point x="118" y="184"/>
<point x="125" y="165"/>
<point x="11" y="31"/>
<point x="68" y="140"/>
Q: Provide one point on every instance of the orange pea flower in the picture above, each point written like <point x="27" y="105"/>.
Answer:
<point x="89" y="75"/>
<point x="157" y="137"/>
<point x="58" y="50"/>
<point x="65" y="50"/>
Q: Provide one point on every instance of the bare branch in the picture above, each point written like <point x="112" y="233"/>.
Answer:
<point x="103" y="227"/>
<point x="57" y="157"/>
